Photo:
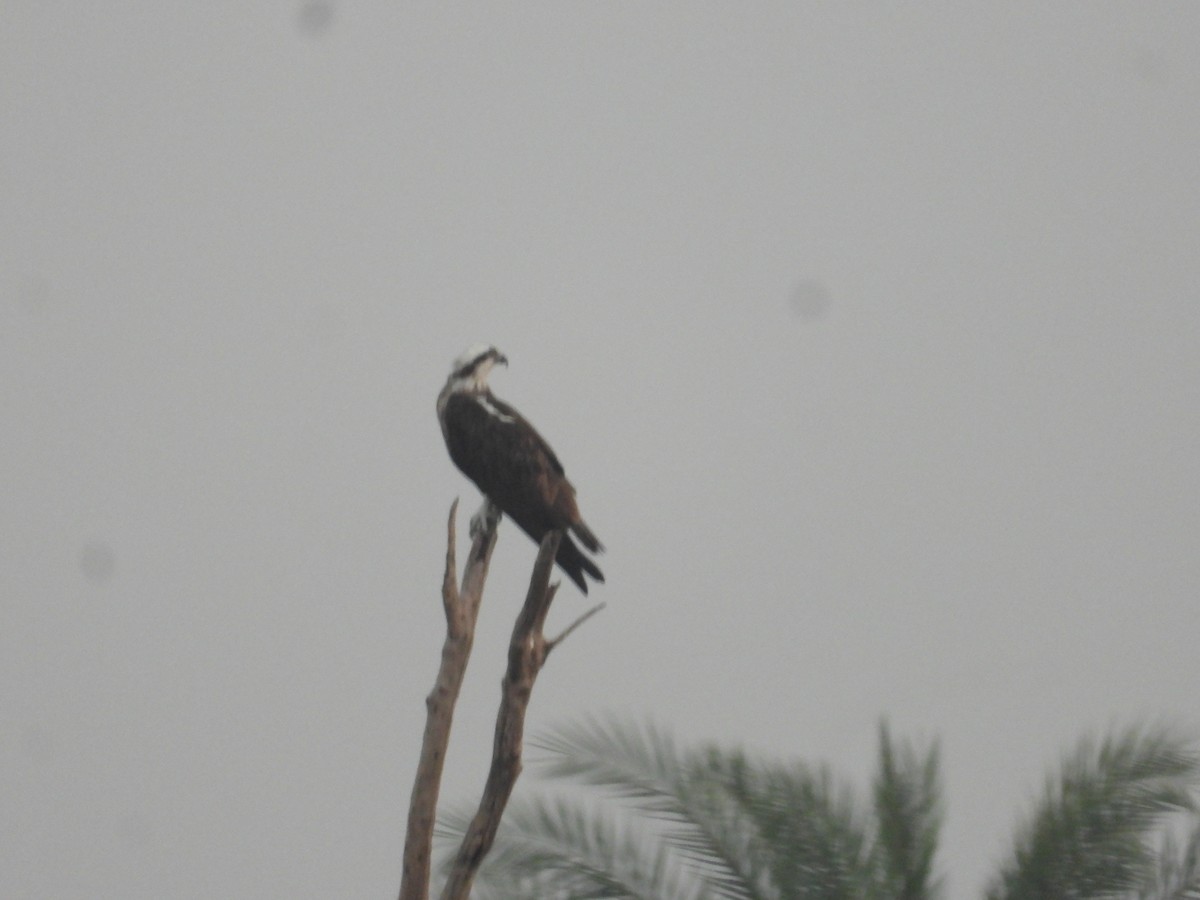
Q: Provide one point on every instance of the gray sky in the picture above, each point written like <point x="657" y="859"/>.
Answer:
<point x="868" y="334"/>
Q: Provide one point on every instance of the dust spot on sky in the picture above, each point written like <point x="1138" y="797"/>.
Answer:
<point x="314" y="17"/>
<point x="97" y="562"/>
<point x="810" y="299"/>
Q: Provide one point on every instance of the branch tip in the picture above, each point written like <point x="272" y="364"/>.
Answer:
<point x="554" y="642"/>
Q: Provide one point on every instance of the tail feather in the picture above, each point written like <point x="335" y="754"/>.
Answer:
<point x="572" y="561"/>
<point x="587" y="538"/>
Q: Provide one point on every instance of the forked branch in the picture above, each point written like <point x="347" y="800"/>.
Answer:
<point x="527" y="652"/>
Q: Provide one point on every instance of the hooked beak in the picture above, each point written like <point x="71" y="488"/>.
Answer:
<point x="500" y="358"/>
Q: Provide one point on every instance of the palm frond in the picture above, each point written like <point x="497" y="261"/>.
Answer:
<point x="1089" y="836"/>
<point x="638" y="764"/>
<point x="908" y="812"/>
<point x="1177" y="876"/>
<point x="805" y="833"/>
<point x="721" y="828"/>
<point x="817" y="834"/>
<point x="647" y="820"/>
<point x="558" y="848"/>
<point x="751" y="831"/>
<point x="641" y="767"/>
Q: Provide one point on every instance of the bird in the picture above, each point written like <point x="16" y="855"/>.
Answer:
<point x="511" y="464"/>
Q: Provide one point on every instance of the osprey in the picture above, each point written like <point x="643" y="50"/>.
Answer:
<point x="510" y="462"/>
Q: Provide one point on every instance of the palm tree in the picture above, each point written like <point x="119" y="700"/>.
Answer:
<point x="641" y="818"/>
<point x="710" y="822"/>
<point x="1102" y="827"/>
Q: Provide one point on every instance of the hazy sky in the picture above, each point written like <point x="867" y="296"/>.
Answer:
<point x="868" y="333"/>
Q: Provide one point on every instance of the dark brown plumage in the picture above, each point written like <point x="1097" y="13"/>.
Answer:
<point x="513" y="465"/>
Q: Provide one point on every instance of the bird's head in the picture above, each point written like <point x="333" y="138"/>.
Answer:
<point x="470" y="371"/>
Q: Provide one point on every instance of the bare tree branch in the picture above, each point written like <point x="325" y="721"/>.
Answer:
<point x="526" y="654"/>
<point x="462" y="609"/>
<point x="554" y="642"/>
